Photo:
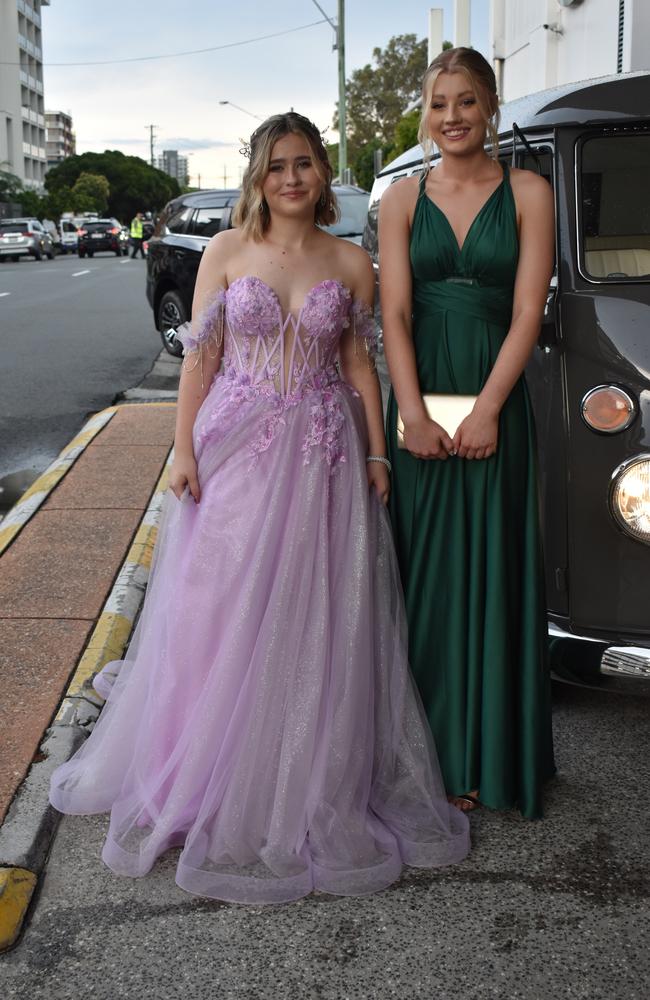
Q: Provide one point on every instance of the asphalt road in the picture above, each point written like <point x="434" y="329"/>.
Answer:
<point x="544" y="910"/>
<point x="73" y="334"/>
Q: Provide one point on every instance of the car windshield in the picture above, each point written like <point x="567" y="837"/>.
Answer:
<point x="616" y="207"/>
<point x="354" y="211"/>
<point x="97" y="227"/>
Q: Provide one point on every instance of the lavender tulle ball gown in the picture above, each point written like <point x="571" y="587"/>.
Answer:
<point x="264" y="719"/>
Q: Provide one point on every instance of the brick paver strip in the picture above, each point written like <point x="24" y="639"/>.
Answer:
<point x="56" y="575"/>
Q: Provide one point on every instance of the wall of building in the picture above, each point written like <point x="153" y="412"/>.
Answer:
<point x="539" y="44"/>
<point x="60" y="138"/>
<point x="22" y="117"/>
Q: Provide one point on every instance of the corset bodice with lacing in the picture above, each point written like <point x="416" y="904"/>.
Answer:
<point x="283" y="359"/>
<point x="287" y="355"/>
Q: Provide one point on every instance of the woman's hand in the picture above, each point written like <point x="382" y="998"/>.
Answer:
<point x="477" y="435"/>
<point x="427" y="439"/>
<point x="379" y="477"/>
<point x="183" y="475"/>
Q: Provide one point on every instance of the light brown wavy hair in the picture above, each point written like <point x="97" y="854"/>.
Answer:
<point x="482" y="81"/>
<point x="251" y="212"/>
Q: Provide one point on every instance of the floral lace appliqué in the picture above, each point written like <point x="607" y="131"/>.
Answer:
<point x="326" y="422"/>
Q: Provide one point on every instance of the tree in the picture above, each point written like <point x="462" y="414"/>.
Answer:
<point x="90" y="193"/>
<point x="10" y="186"/>
<point x="377" y="95"/>
<point x="134" y="185"/>
<point x="406" y="133"/>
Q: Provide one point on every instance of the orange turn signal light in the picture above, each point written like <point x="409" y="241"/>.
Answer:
<point x="608" y="409"/>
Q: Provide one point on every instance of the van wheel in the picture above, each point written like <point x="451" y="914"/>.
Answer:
<point x="171" y="315"/>
<point x="38" y="255"/>
<point x="50" y="255"/>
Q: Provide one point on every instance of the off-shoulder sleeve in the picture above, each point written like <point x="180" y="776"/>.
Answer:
<point x="204" y="333"/>
<point x="364" y="327"/>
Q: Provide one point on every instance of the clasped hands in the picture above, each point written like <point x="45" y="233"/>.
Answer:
<point x="475" y="438"/>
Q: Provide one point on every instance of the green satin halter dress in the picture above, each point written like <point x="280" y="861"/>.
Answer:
<point x="467" y="532"/>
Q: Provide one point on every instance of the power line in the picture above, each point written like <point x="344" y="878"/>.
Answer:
<point x="174" y="55"/>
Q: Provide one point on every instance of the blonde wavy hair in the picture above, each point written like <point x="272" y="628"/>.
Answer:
<point x="482" y="81"/>
<point x="251" y="213"/>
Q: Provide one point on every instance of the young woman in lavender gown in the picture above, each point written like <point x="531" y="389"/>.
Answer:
<point x="264" y="720"/>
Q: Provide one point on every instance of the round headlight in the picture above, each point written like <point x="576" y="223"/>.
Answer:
<point x="608" y="409"/>
<point x="630" y="497"/>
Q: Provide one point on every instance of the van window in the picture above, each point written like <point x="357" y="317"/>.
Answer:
<point x="615" y="207"/>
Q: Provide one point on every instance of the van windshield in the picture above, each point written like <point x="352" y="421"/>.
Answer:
<point x="615" y="203"/>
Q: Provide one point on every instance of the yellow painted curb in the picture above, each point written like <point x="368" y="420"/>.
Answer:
<point x="21" y="512"/>
<point x="115" y="624"/>
<point x="16" y="890"/>
<point x="15" y="519"/>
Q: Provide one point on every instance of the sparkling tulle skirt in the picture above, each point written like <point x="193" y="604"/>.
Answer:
<point x="264" y="719"/>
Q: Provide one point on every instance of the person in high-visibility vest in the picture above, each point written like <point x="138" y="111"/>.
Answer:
<point x="136" y="236"/>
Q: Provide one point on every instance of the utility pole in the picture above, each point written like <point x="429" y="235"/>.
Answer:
<point x="339" y="46"/>
<point x="151" y="139"/>
<point x="343" y="140"/>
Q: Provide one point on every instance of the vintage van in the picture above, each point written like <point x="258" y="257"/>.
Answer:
<point x="589" y="377"/>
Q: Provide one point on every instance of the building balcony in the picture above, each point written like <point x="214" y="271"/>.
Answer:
<point x="28" y="115"/>
<point x="29" y="12"/>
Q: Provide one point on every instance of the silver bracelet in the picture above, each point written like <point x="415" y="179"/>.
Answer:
<point x="380" y="458"/>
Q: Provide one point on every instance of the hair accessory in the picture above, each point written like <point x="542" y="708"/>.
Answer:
<point x="245" y="149"/>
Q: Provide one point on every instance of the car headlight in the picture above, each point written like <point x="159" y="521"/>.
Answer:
<point x="608" y="409"/>
<point x="630" y="497"/>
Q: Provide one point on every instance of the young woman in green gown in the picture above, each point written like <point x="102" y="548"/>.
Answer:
<point x="466" y="254"/>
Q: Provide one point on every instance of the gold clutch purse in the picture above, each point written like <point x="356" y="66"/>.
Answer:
<point x="448" y="411"/>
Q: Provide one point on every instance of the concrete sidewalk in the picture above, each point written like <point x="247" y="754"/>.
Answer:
<point x="56" y="574"/>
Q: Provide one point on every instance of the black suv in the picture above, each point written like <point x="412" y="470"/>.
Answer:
<point x="182" y="232"/>
<point x="185" y="228"/>
<point x="102" y="234"/>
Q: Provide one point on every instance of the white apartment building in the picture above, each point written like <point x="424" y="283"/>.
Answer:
<point x="22" y="115"/>
<point x="60" y="138"/>
<point x="538" y="44"/>
<point x="172" y="163"/>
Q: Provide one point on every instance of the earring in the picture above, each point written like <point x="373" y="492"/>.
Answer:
<point x="322" y="201"/>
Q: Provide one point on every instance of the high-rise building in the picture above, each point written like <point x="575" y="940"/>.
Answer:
<point x="172" y="163"/>
<point x="60" y="140"/>
<point x="22" y="113"/>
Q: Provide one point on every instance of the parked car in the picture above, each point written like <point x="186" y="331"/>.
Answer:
<point x="589" y="377"/>
<point x="184" y="229"/>
<point x="101" y="235"/>
<point x="68" y="235"/>
<point x="24" y="238"/>
<point x="353" y="203"/>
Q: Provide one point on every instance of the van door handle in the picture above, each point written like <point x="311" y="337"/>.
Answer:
<point x="548" y="334"/>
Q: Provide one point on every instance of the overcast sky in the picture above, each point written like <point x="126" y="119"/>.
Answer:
<point x="111" y="105"/>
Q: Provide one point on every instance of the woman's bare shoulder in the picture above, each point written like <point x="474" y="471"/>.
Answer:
<point x="529" y="187"/>
<point x="402" y="194"/>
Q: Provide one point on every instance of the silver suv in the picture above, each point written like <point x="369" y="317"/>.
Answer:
<point x="24" y="238"/>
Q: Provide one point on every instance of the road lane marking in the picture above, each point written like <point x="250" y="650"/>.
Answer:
<point x="76" y="274"/>
<point x="2" y="294"/>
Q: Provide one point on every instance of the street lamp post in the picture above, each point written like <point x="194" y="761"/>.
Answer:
<point x="233" y="105"/>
